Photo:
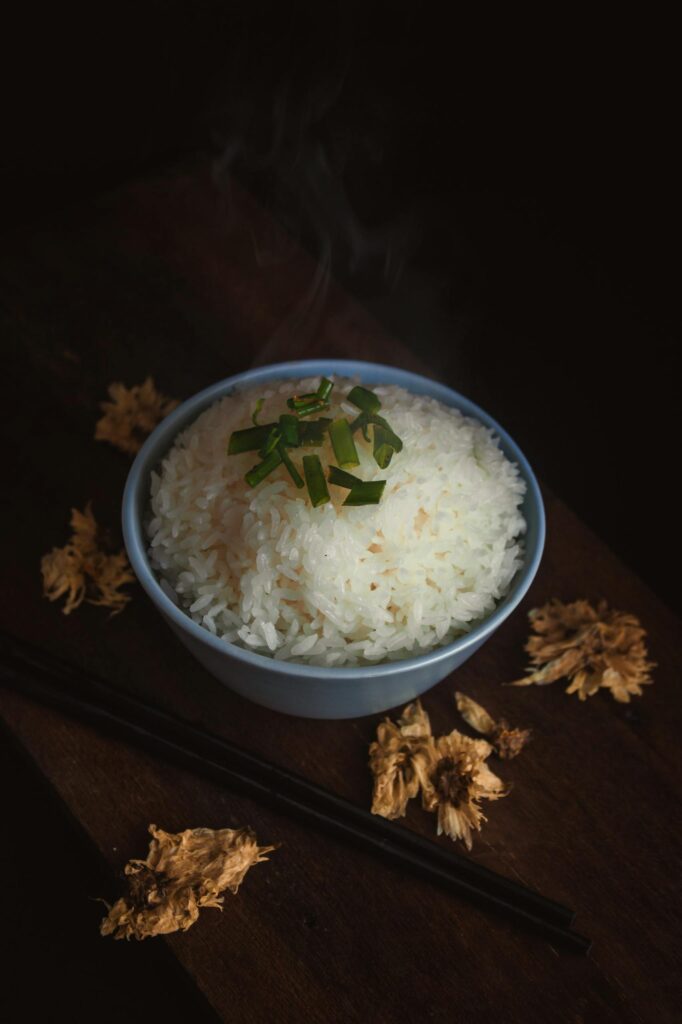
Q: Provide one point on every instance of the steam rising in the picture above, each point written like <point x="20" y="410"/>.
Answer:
<point x="290" y="142"/>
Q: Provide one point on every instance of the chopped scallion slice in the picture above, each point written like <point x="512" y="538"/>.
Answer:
<point x="307" y="409"/>
<point x="289" y="429"/>
<point x="364" y="399"/>
<point x="312" y="433"/>
<point x="340" y="478"/>
<point x="325" y="389"/>
<point x="395" y="441"/>
<point x="256" y="475"/>
<point x="315" y="481"/>
<point x="361" y="423"/>
<point x="367" y="492"/>
<point x="383" y="449"/>
<point x="254" y="415"/>
<point x="322" y="394"/>
<point x="344" y="445"/>
<point x="293" y="472"/>
<point x="298" y="400"/>
<point x="273" y="439"/>
<point x="250" y="440"/>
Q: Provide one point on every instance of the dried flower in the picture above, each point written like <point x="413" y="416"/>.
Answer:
<point x="62" y="571"/>
<point x="391" y="758"/>
<point x="454" y="779"/>
<point x="182" y="872"/>
<point x="506" y="742"/>
<point x="450" y="772"/>
<point x="132" y="414"/>
<point x="593" y="648"/>
<point x="82" y="570"/>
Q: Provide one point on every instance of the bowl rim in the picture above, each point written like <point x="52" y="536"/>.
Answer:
<point x="191" y="408"/>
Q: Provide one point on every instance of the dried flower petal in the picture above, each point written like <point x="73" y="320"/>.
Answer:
<point x="593" y="647"/>
<point x="182" y="872"/>
<point x="132" y="414"/>
<point x="391" y="759"/>
<point x="454" y="779"/>
<point x="108" y="573"/>
<point x="83" y="571"/>
<point x="474" y="715"/>
<point x="62" y="571"/>
<point x="507" y="742"/>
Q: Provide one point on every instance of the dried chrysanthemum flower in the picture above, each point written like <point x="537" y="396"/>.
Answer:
<point x="82" y="570"/>
<point x="108" y="573"/>
<point x="182" y="872"/>
<point x="592" y="647"/>
<point x="454" y="778"/>
<point x="132" y="414"/>
<point x="391" y="758"/>
<point x="62" y="571"/>
<point x="450" y="771"/>
<point x="506" y="742"/>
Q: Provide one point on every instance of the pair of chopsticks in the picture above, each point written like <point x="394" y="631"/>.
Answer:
<point x="67" y="688"/>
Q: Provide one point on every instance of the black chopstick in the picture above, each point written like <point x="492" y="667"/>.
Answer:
<point x="278" y="779"/>
<point x="51" y="681"/>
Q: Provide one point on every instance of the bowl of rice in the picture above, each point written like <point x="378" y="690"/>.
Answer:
<point x="334" y="609"/>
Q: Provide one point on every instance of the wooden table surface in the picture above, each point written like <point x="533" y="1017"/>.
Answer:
<point x="172" y="278"/>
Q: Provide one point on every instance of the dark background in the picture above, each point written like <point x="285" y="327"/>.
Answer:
<point x="504" y="197"/>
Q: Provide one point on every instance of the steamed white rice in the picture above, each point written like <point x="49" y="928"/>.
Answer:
<point x="338" y="586"/>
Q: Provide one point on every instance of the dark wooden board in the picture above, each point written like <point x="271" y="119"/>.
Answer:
<point x="172" y="278"/>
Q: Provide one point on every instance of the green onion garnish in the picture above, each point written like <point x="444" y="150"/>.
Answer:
<point x="273" y="439"/>
<point x="250" y="440"/>
<point x="254" y="415"/>
<point x="299" y="400"/>
<point x="383" y="449"/>
<point x="340" y="478"/>
<point x="367" y="492"/>
<point x="395" y="441"/>
<point x="288" y="426"/>
<point x="256" y="475"/>
<point x="325" y="389"/>
<point x="293" y="472"/>
<point x="315" y="481"/>
<point x="361" y="422"/>
<point x="364" y="399"/>
<point x="309" y="408"/>
<point x="312" y="433"/>
<point x="344" y="445"/>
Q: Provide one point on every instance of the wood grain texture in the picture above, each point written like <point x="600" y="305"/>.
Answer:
<point x="172" y="278"/>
